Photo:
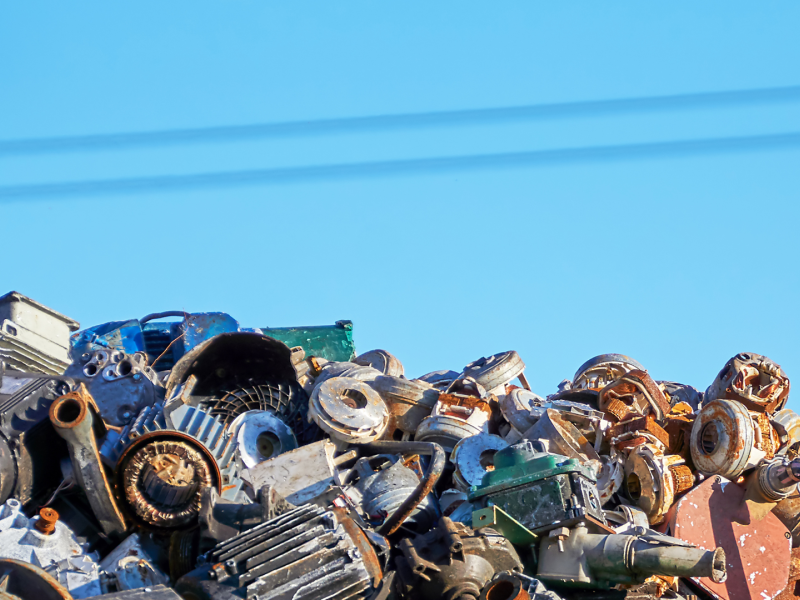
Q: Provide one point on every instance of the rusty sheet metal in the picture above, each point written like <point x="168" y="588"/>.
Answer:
<point x="644" y="424"/>
<point x="637" y="390"/>
<point x="758" y="555"/>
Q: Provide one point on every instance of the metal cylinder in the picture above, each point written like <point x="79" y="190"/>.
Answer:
<point x="723" y="439"/>
<point x="72" y="419"/>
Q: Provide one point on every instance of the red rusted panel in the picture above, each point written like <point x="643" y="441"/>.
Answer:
<point x="758" y="555"/>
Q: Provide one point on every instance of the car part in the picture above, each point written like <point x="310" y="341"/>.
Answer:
<point x="381" y="484"/>
<point x="260" y="435"/>
<point x="453" y="562"/>
<point x="47" y="542"/>
<point x="72" y="416"/>
<point x="121" y="384"/>
<point x="312" y="468"/>
<point x="306" y="553"/>
<point x="653" y="480"/>
<point x="33" y="337"/>
<point x="758" y="555"/>
<point x="383" y="361"/>
<point x="494" y="372"/>
<point x="754" y="380"/>
<point x="349" y="410"/>
<point x="130" y="566"/>
<point x="575" y="556"/>
<point x="540" y="490"/>
<point x="727" y="439"/>
<point x="473" y="457"/>
<point x="453" y="418"/>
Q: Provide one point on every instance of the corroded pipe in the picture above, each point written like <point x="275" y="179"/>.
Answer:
<point x="72" y="419"/>
<point x="426" y="484"/>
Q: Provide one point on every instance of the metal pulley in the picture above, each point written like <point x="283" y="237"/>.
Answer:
<point x="652" y="480"/>
<point x="349" y="410"/>
<point x="493" y="372"/>
<point x="260" y="435"/>
<point x="473" y="457"/>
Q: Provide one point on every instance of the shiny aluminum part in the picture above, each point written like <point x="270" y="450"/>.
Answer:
<point x="601" y="370"/>
<point x="650" y="483"/>
<point x="383" y="361"/>
<point x="349" y="410"/>
<point x="626" y="519"/>
<point x="494" y="372"/>
<point x="787" y="425"/>
<point x="516" y="408"/>
<point x="473" y="457"/>
<point x="121" y="384"/>
<point x="72" y="417"/>
<point x="723" y="440"/>
<point x="260" y="435"/>
<point x="383" y="484"/>
<point x="754" y="380"/>
<point x="60" y="553"/>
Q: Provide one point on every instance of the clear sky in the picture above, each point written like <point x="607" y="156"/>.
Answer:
<point x="679" y="259"/>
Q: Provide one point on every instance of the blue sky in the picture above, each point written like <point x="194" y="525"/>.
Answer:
<point x="678" y="260"/>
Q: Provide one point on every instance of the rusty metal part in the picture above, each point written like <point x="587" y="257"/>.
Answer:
<point x="788" y="511"/>
<point x="454" y="417"/>
<point x="727" y="439"/>
<point x="371" y="562"/>
<point x="432" y="474"/>
<point x="73" y="418"/>
<point x="650" y="480"/>
<point x="164" y="481"/>
<point x="682" y="478"/>
<point x="601" y="370"/>
<point x="46" y="523"/>
<point x="792" y="589"/>
<point x="617" y="410"/>
<point x="754" y="380"/>
<point x="637" y="390"/>
<point x="767" y="486"/>
<point x="758" y="554"/>
<point x="453" y="561"/>
<point x="181" y="451"/>
<point x="409" y="402"/>
<point x="23" y="581"/>
<point x="639" y="425"/>
<point x="787" y="428"/>
<point x="504" y="587"/>
<point x="679" y="430"/>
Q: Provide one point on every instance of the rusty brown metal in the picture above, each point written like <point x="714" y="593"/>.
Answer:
<point x="682" y="478"/>
<point x="73" y="417"/>
<point x="754" y="380"/>
<point x="46" y="523"/>
<point x="504" y="587"/>
<point x="758" y="555"/>
<point x="639" y="424"/>
<point x="636" y="390"/>
<point x="432" y="474"/>
<point x="366" y="549"/>
<point x="792" y="589"/>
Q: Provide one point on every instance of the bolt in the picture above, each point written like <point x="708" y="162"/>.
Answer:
<point x="787" y="535"/>
<point x="47" y="521"/>
<point x="85" y="356"/>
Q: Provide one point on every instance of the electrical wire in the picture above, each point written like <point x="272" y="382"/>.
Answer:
<point x="397" y="121"/>
<point x="675" y="148"/>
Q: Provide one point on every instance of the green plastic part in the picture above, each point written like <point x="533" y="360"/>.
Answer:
<point x="496" y="518"/>
<point x="516" y="465"/>
<point x="331" y="342"/>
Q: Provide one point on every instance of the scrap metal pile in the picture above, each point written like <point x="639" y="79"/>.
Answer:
<point x="183" y="456"/>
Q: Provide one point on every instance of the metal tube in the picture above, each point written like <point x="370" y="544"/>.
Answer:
<point x="426" y="484"/>
<point x="72" y="419"/>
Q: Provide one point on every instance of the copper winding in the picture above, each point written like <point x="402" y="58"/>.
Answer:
<point x="682" y="478"/>
<point x="617" y="410"/>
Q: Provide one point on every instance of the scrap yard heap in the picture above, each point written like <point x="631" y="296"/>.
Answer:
<point x="184" y="456"/>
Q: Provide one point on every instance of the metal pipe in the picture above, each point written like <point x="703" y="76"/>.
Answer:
<point x="72" y="419"/>
<point x="429" y="479"/>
